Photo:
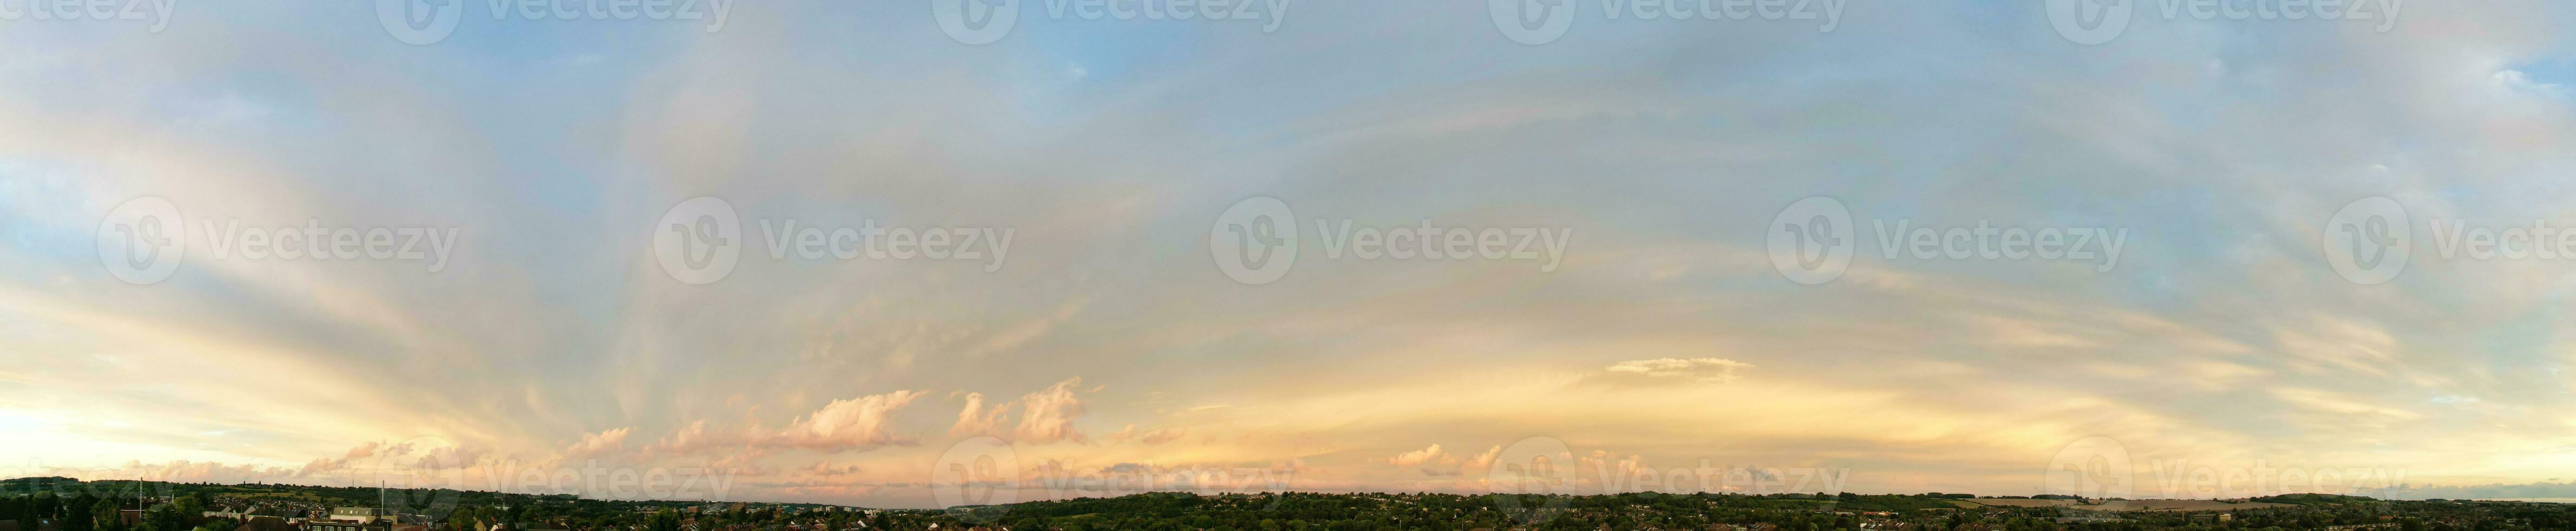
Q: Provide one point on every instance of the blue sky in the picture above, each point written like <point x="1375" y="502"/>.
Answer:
<point x="1112" y="337"/>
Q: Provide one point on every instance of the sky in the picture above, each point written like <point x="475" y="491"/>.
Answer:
<point x="1307" y="245"/>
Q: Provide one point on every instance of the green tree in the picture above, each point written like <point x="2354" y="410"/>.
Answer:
<point x="194" y="504"/>
<point x="109" y="514"/>
<point x="163" y="517"/>
<point x="663" y="520"/>
<point x="79" y="515"/>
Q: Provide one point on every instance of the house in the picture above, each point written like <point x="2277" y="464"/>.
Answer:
<point x="292" y="516"/>
<point x="268" y="523"/>
<point x="351" y="519"/>
<point x="362" y="515"/>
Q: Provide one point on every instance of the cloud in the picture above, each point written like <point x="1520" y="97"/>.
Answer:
<point x="1435" y="461"/>
<point x="592" y="444"/>
<point x="745" y="462"/>
<point x="1416" y="457"/>
<point x="857" y="423"/>
<point x="1692" y="370"/>
<point x="2328" y="344"/>
<point x="697" y="438"/>
<point x="1047" y="415"/>
<point x="448" y="458"/>
<point x="1158" y="436"/>
<point x="825" y="468"/>
<point x="862" y="423"/>
<point x="1485" y="460"/>
<point x="974" y="420"/>
<point x="1015" y="337"/>
<point x="2351" y="408"/>
<point x="326" y="464"/>
<point x="1163" y="436"/>
<point x="320" y="465"/>
<point x="364" y="450"/>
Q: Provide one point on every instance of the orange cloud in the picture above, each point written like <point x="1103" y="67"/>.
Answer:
<point x="1047" y="416"/>
<point x="1416" y="457"/>
<point x="845" y="424"/>
<point x="977" y="421"/>
<point x="598" y="443"/>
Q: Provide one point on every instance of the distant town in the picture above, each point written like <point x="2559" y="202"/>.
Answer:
<point x="65" y="504"/>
